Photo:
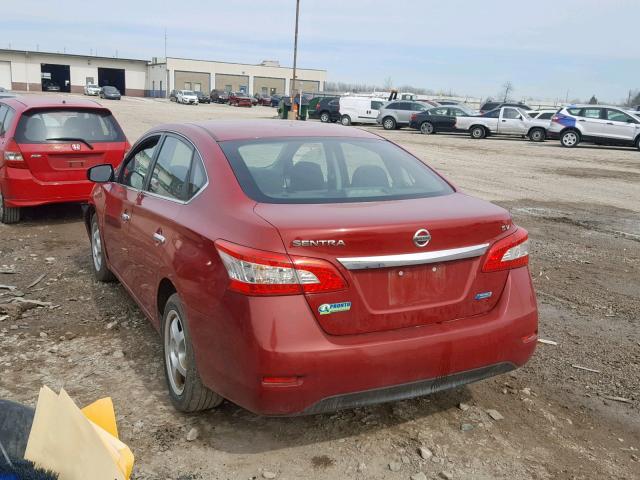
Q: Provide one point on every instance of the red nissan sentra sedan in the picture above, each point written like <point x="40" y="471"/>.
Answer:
<point x="46" y="147"/>
<point x="299" y="268"/>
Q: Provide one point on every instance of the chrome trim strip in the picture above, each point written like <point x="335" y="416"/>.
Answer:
<point x="407" y="259"/>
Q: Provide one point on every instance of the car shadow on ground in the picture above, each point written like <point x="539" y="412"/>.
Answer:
<point x="51" y="214"/>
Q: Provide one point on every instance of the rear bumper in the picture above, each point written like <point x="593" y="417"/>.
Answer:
<point x="249" y="338"/>
<point x="21" y="189"/>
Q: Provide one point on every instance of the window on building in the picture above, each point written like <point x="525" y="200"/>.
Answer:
<point x="187" y="85"/>
<point x="197" y="87"/>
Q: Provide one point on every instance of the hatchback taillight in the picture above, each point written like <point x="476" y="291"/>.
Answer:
<point x="13" y="155"/>
<point x="258" y="272"/>
<point x="510" y="252"/>
<point x="414" y="116"/>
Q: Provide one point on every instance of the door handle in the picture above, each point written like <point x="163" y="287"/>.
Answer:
<point x="504" y="120"/>
<point x="159" y="238"/>
<point x="125" y="217"/>
<point x="609" y="123"/>
<point x="582" y="120"/>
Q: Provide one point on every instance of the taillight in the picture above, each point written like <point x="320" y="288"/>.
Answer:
<point x="317" y="106"/>
<point x="510" y="252"/>
<point x="13" y="155"/>
<point x="414" y="116"/>
<point x="556" y="118"/>
<point x="258" y="272"/>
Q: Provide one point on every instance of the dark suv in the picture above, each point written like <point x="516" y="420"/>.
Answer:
<point x="488" y="106"/>
<point x="326" y="110"/>
<point x="203" y="97"/>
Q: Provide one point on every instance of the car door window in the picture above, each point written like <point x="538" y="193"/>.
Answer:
<point x="418" y="107"/>
<point x="545" y="116"/>
<point x="511" y="113"/>
<point x="492" y="114"/>
<point x="614" y="116"/>
<point x="170" y="173"/>
<point x="439" y="111"/>
<point x="591" y="113"/>
<point x="135" y="169"/>
<point x="197" y="178"/>
<point x="456" y="112"/>
<point x="376" y="105"/>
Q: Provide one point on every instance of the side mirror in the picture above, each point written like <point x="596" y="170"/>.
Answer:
<point x="100" y="173"/>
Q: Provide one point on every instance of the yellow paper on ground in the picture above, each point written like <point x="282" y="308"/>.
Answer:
<point x="63" y="440"/>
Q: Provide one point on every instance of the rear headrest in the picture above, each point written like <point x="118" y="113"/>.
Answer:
<point x="369" y="176"/>
<point x="306" y="176"/>
<point x="35" y="130"/>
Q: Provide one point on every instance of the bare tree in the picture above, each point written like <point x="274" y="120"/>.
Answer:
<point x="593" y="100"/>
<point x="388" y="84"/>
<point x="507" y="88"/>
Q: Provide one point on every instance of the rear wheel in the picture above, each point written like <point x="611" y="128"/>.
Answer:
<point x="388" y="123"/>
<point x="638" y="142"/>
<point x="325" y="117"/>
<point x="100" y="270"/>
<point x="8" y="214"/>
<point x="186" y="389"/>
<point x="537" y="135"/>
<point x="426" y="128"/>
<point x="345" y="120"/>
<point x="570" y="139"/>
<point x="478" y="132"/>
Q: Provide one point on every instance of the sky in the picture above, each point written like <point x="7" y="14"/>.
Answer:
<point x="550" y="49"/>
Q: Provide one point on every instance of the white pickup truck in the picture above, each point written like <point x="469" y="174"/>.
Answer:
<point x="504" y="121"/>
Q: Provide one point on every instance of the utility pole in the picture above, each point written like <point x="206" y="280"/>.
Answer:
<point x="165" y="44"/>
<point x="295" y="49"/>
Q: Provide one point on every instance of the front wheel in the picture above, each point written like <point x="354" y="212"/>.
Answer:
<point x="345" y="120"/>
<point x="478" y="132"/>
<point x="537" y="135"/>
<point x="325" y="117"/>
<point x="569" y="139"/>
<point x="8" y="214"/>
<point x="188" y="393"/>
<point x="426" y="128"/>
<point x="100" y="270"/>
<point x="389" y="123"/>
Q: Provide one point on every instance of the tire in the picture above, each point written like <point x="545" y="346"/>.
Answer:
<point x="570" y="139"/>
<point x="325" y="117"/>
<point x="8" y="214"/>
<point x="187" y="392"/>
<point x="98" y="258"/>
<point x="388" y="123"/>
<point x="537" y="135"/>
<point x="426" y="128"/>
<point x="478" y="132"/>
<point x="345" y="120"/>
<point x="638" y="142"/>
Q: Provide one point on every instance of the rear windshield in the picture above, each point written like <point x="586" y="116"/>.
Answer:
<point x="46" y="126"/>
<point x="330" y="170"/>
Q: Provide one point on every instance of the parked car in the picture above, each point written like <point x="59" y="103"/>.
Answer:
<point x="46" y="147"/>
<point x="439" y="119"/>
<point x="299" y="295"/>
<point x="275" y="99"/>
<point x="599" y="124"/>
<point x="202" y="97"/>
<point x="187" y="97"/>
<point x="263" y="99"/>
<point x="542" y="114"/>
<point x="254" y="100"/>
<point x="447" y="102"/>
<point x="488" y="106"/>
<point x="326" y="109"/>
<point x="4" y="93"/>
<point x="173" y="96"/>
<point x="240" y="99"/>
<point x="398" y="114"/>
<point x="359" y="109"/>
<point x="219" y="96"/>
<point x="91" y="89"/>
<point x="504" y="121"/>
<point x="50" y="86"/>
<point x="110" y="93"/>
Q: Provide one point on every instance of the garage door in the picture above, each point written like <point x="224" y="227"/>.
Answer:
<point x="5" y="75"/>
<point x="232" y="83"/>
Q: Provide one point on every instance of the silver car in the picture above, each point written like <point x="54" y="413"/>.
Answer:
<point x="397" y="113"/>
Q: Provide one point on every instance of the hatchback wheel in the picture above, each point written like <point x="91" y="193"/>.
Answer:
<point x="186" y="389"/>
<point x="389" y="123"/>
<point x="638" y="143"/>
<point x="325" y="117"/>
<point x="427" y="128"/>
<point x="537" y="135"/>
<point x="478" y="132"/>
<point x="345" y="120"/>
<point x="8" y="214"/>
<point x="569" y="139"/>
<point x="100" y="270"/>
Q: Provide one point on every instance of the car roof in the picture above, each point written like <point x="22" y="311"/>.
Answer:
<point x="225" y="130"/>
<point x="27" y="102"/>
<point x="589" y="105"/>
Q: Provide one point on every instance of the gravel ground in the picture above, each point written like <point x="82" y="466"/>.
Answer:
<point x="582" y="209"/>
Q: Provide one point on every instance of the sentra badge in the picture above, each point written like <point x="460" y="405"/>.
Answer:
<point x="328" y="308"/>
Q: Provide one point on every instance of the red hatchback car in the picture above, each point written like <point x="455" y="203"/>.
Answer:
<point x="46" y="147"/>
<point x="297" y="268"/>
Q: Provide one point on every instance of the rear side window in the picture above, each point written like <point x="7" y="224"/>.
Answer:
<point x="576" y="112"/>
<point x="51" y="125"/>
<point x="6" y="117"/>
<point x="492" y="114"/>
<point x="198" y="177"/>
<point x="329" y="170"/>
<point x="591" y="112"/>
<point x="545" y="116"/>
<point x="171" y="171"/>
<point x="376" y="105"/>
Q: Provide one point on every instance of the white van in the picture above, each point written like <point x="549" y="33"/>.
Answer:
<point x="360" y="109"/>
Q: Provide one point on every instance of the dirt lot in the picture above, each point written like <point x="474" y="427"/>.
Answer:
<point x="582" y="209"/>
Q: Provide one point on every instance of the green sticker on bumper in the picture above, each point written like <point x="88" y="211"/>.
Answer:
<point x="327" y="308"/>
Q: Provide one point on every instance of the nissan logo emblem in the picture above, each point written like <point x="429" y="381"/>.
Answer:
<point x="421" y="238"/>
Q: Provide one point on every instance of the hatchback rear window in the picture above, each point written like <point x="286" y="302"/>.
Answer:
<point x="330" y="170"/>
<point x="51" y="125"/>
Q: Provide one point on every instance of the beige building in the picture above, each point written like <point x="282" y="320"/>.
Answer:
<point x="203" y="75"/>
